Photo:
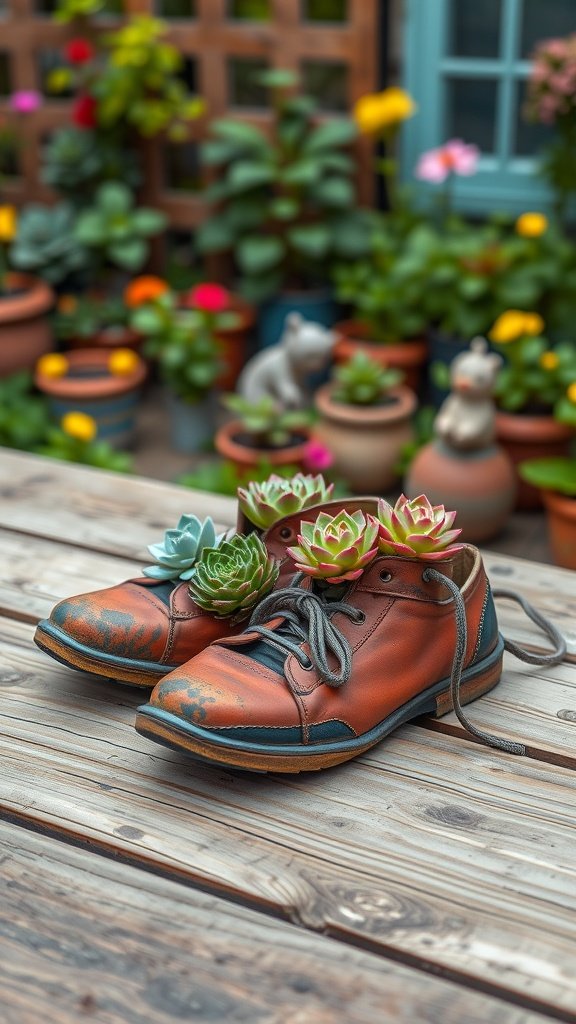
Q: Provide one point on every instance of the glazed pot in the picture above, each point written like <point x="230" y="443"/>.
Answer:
<point x="408" y="355"/>
<point x="234" y="343"/>
<point x="111" y="337"/>
<point x="317" y="305"/>
<point x="480" y="485"/>
<point x="561" y="515"/>
<point x="89" y="387"/>
<point x="366" y="441"/>
<point x="229" y="443"/>
<point x="191" y="423"/>
<point x="531" y="437"/>
<point x="25" y="332"/>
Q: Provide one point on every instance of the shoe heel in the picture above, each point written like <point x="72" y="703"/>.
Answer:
<point x="470" y="689"/>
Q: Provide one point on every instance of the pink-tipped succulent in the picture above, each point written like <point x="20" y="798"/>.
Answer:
<point x="416" y="529"/>
<point x="265" y="503"/>
<point x="336" y="548"/>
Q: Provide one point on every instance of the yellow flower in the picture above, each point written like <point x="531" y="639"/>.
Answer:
<point x="548" y="360"/>
<point x="533" y="323"/>
<point x="80" y="426"/>
<point x="8" y="223"/>
<point x="531" y="225"/>
<point x="514" y="324"/>
<point x="571" y="392"/>
<point x="123" y="362"/>
<point x="377" y="111"/>
<point x="52" y="365"/>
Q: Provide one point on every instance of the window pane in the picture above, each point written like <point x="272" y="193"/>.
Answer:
<point x="181" y="167"/>
<point x="244" y="90"/>
<point x="325" y="10"/>
<point x="530" y="137"/>
<point x="327" y="82"/>
<point x="471" y="111"/>
<point x="5" y="84"/>
<point x="249" y="10"/>
<point x="176" y="8"/>
<point x="544" y="19"/>
<point x="475" y="28"/>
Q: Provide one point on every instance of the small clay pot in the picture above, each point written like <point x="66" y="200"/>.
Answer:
<point x="88" y="386"/>
<point x="480" y="485"/>
<point x="247" y="458"/>
<point x="561" y="515"/>
<point x="25" y="332"/>
<point x="408" y="355"/>
<point x="366" y="441"/>
<point x="233" y="343"/>
<point x="531" y="437"/>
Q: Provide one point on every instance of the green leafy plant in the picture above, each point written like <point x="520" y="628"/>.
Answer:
<point x="231" y="579"/>
<point x="74" y="10"/>
<point x="363" y="381"/>
<point x="551" y="474"/>
<point x="117" y="231"/>
<point x="337" y="548"/>
<point x="266" y="502"/>
<point x="416" y="529"/>
<point x="83" y="317"/>
<point x="24" y="418"/>
<point x="176" y="556"/>
<point x="47" y="243"/>
<point x="100" y="454"/>
<point x="537" y="376"/>
<point x="286" y="205"/>
<point x="265" y="424"/>
<point x="76" y="161"/>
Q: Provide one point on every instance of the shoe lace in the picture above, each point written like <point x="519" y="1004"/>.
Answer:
<point x="307" y="617"/>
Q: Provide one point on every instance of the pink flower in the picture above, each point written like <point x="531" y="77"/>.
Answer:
<point x="25" y="101"/>
<point x="455" y="157"/>
<point x="317" y="457"/>
<point x="548" y="108"/>
<point x="557" y="48"/>
<point x="208" y="298"/>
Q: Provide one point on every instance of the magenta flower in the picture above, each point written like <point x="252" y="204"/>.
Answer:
<point x="25" y="101"/>
<point x="454" y="157"/>
<point x="317" y="457"/>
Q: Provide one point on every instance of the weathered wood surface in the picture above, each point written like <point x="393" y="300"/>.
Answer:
<point x="114" y="945"/>
<point x="434" y="849"/>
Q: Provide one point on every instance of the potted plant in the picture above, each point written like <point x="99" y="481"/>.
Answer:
<point x="103" y="385"/>
<point x="285" y="205"/>
<point x="45" y="244"/>
<point x="88" y="321"/>
<point x="556" y="479"/>
<point x="263" y="433"/>
<point x="232" y="319"/>
<point x="536" y="394"/>
<point x="114" y="230"/>
<point x="184" y="343"/>
<point x="365" y="419"/>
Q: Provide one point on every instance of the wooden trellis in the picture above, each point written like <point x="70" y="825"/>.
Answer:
<point x="338" y="59"/>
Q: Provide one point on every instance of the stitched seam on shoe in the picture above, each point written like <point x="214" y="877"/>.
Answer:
<point x="261" y="671"/>
<point x="158" y="608"/>
<point x="481" y="623"/>
<point x="169" y="642"/>
<point x="376" y="623"/>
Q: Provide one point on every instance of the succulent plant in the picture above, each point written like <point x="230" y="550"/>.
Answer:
<point x="177" y="555"/>
<point x="416" y="529"/>
<point x="232" y="578"/>
<point x="265" y="503"/>
<point x="336" y="548"/>
<point x="265" y="423"/>
<point x="77" y="160"/>
<point x="363" y="381"/>
<point x="46" y="242"/>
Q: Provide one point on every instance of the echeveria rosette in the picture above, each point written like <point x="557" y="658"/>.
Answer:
<point x="178" y="553"/>
<point x="416" y="529"/>
<point x="336" y="548"/>
<point x="267" y="502"/>
<point x="230" y="579"/>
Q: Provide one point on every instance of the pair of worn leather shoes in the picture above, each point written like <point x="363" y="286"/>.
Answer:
<point x="388" y="619"/>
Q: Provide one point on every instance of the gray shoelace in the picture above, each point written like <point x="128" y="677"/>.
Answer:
<point x="307" y="618"/>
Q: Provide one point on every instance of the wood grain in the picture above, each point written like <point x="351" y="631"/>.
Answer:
<point x="107" y="943"/>
<point x="432" y="850"/>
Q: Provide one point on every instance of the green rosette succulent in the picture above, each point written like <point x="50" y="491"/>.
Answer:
<point x="336" y="548"/>
<point x="178" y="553"/>
<point x="265" y="503"/>
<point x="230" y="580"/>
<point x="416" y="529"/>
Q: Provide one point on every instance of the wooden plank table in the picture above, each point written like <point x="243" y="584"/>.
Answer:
<point x="430" y="880"/>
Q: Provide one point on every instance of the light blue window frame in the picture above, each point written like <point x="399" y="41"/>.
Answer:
<point x="504" y="181"/>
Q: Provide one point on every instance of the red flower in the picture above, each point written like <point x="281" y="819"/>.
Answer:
<point x="208" y="298"/>
<point x="84" y="112"/>
<point x="79" y="51"/>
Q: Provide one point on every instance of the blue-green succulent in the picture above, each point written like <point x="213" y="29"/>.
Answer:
<point x="178" y="553"/>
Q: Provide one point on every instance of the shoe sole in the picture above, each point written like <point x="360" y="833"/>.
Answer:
<point x="73" y="654"/>
<point x="174" y="732"/>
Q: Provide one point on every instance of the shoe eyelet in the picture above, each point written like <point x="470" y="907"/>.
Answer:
<point x="385" y="576"/>
<point x="361" y="618"/>
<point x="286" y="533"/>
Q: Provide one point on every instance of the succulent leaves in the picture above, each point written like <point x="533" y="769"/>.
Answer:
<point x="265" y="503"/>
<point x="416" y="529"/>
<point x="178" y="553"/>
<point x="232" y="578"/>
<point x="336" y="548"/>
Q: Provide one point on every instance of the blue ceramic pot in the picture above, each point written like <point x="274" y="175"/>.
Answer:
<point x="314" y="305"/>
<point x="191" y="423"/>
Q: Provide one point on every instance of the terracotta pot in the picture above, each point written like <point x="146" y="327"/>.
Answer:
<point x="409" y="355"/>
<point x="25" y="332"/>
<point x="247" y="458"/>
<point x="561" y="513"/>
<point x="113" y="337"/>
<point x="365" y="441"/>
<point x="480" y="485"/>
<point x="89" y="387"/>
<point x="531" y="437"/>
<point x="233" y="344"/>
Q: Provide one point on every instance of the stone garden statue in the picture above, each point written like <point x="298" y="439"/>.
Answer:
<point x="281" y="371"/>
<point x="466" y="419"/>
